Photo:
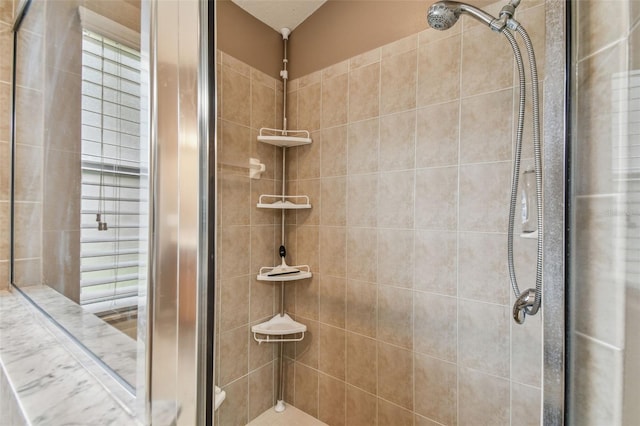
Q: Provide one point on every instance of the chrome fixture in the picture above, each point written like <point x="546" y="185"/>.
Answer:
<point x="442" y="16"/>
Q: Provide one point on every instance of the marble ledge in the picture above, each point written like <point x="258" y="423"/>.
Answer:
<point x="50" y="385"/>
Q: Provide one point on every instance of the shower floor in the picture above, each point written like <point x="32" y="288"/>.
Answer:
<point x="290" y="417"/>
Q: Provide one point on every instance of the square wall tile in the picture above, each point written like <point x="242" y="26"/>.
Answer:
<point x="235" y="409"/>
<point x="526" y="404"/>
<point x="395" y="316"/>
<point x="334" y="152"/>
<point x="397" y="141"/>
<point x="392" y="414"/>
<point x="436" y="384"/>
<point x="307" y="349"/>
<point x="480" y="75"/>
<point x="233" y="367"/>
<point x="361" y="407"/>
<point x="485" y="127"/>
<point x="396" y="199"/>
<point x="362" y="308"/>
<point x="362" y="362"/>
<point x="484" y="197"/>
<point x="437" y="198"/>
<point x="333" y="300"/>
<point x="474" y="407"/>
<point x="437" y="133"/>
<point x="234" y="199"/>
<point x="261" y="395"/>
<point x="362" y="254"/>
<point x="334" y="201"/>
<point x="306" y="389"/>
<point x="362" y="200"/>
<point x="333" y="251"/>
<point x="398" y="82"/>
<point x="436" y="262"/>
<point x="234" y="303"/>
<point x="482" y="270"/>
<point x="363" y="140"/>
<point x="483" y="333"/>
<point x="439" y="71"/>
<point x="308" y="155"/>
<point x="364" y="96"/>
<point x="236" y="97"/>
<point x="335" y="101"/>
<point x="332" y="356"/>
<point x="435" y="325"/>
<point x="312" y="189"/>
<point x="263" y="106"/>
<point x="395" y="257"/>
<point x="395" y="375"/>
<point x="331" y="401"/>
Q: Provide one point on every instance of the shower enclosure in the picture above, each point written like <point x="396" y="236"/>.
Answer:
<point x="409" y="309"/>
<point x="408" y="312"/>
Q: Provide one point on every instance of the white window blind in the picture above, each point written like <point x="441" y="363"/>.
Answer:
<point x="112" y="172"/>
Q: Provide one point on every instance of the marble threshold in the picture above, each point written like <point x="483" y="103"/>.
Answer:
<point x="51" y="382"/>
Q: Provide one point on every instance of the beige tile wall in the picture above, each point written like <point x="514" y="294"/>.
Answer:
<point x="409" y="308"/>
<point x="6" y="52"/>
<point x="248" y="238"/>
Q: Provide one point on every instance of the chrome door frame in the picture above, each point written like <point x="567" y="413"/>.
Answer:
<point x="555" y="206"/>
<point x="179" y="346"/>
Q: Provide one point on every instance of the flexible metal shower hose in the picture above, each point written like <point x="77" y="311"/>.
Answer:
<point x="535" y="306"/>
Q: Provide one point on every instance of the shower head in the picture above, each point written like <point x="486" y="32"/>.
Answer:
<point x="444" y="14"/>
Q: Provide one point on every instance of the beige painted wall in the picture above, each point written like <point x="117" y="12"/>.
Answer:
<point x="341" y="29"/>
<point x="244" y="37"/>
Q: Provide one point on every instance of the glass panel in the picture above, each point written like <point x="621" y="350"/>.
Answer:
<point x="604" y="287"/>
<point x="79" y="157"/>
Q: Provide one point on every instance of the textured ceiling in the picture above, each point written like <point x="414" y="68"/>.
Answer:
<point x="280" y="14"/>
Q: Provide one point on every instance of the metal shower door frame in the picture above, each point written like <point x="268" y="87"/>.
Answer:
<point x="555" y="160"/>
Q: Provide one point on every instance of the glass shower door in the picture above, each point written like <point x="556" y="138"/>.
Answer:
<point x="604" y="286"/>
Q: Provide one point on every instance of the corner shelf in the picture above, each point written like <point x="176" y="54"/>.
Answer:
<point x="284" y="138"/>
<point x="305" y="272"/>
<point x="282" y="202"/>
<point x="279" y="325"/>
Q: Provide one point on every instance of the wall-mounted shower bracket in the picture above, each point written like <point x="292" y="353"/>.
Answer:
<point x="256" y="168"/>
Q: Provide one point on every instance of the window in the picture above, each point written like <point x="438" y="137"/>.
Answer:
<point x="112" y="241"/>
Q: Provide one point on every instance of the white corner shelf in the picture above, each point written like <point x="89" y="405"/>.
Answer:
<point x="303" y="272"/>
<point x="284" y="138"/>
<point x="279" y="326"/>
<point x="287" y="202"/>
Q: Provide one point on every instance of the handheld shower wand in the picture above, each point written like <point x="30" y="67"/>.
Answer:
<point x="442" y="16"/>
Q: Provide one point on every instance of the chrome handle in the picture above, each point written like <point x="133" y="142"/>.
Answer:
<point x="523" y="305"/>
